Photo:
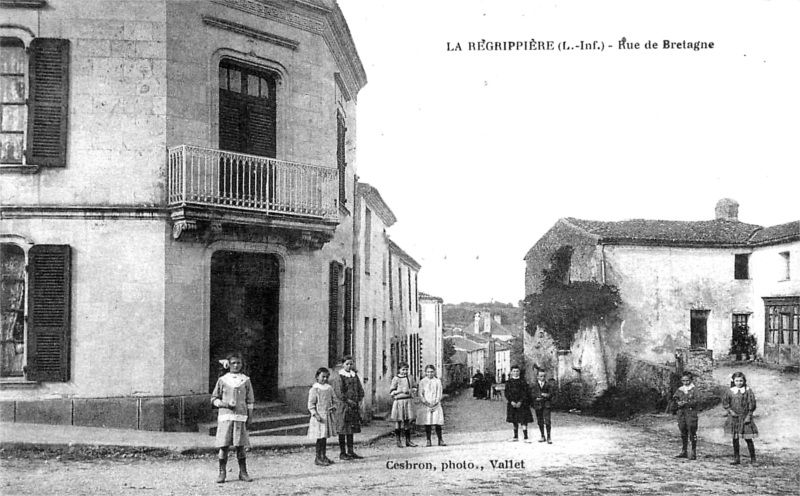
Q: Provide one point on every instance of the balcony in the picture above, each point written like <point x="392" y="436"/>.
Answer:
<point x="214" y="191"/>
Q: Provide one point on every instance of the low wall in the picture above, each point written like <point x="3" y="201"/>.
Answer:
<point x="171" y="413"/>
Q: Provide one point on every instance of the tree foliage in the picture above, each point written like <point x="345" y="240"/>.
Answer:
<point x="448" y="350"/>
<point x="563" y="307"/>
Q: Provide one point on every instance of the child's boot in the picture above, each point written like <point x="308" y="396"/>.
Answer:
<point x="549" y="441"/>
<point x="428" y="443"/>
<point x="318" y="456"/>
<point x="684" y="443"/>
<point x="397" y="435"/>
<point x="350" y="451"/>
<point x="223" y="462"/>
<point x="439" y="435"/>
<point x="694" y="448"/>
<point x="324" y="452"/>
<point x="408" y="439"/>
<point x="541" y="430"/>
<point x="243" y="475"/>
<point x="736" y="459"/>
<point x="752" y="449"/>
<point x="343" y="447"/>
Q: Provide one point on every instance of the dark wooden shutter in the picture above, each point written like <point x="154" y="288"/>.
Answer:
<point x="49" y="316"/>
<point x="341" y="163"/>
<point x="348" y="311"/>
<point x="333" y="314"/>
<point x="230" y="126"/>
<point x="48" y="102"/>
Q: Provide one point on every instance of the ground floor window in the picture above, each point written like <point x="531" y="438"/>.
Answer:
<point x="782" y="320"/>
<point x="35" y="309"/>
<point x="12" y="307"/>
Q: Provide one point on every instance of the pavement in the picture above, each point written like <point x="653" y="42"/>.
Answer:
<point x="66" y="437"/>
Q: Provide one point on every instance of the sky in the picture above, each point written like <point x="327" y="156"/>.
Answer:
<point x="478" y="153"/>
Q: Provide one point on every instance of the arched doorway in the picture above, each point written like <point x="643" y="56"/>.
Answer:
<point x="244" y="316"/>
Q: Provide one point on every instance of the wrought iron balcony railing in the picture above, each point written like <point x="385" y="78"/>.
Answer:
<point x="227" y="180"/>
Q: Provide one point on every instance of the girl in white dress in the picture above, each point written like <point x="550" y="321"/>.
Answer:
<point x="430" y="413"/>
<point x="322" y="424"/>
<point x="233" y="396"/>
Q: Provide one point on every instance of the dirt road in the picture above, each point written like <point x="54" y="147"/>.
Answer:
<point x="589" y="456"/>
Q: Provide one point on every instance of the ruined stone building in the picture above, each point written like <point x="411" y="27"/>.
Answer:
<point x="684" y="285"/>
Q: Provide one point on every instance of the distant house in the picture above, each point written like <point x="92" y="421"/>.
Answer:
<point x="684" y="284"/>
<point x="430" y="317"/>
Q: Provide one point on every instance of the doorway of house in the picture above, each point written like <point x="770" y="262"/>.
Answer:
<point x="699" y="329"/>
<point x="244" y="317"/>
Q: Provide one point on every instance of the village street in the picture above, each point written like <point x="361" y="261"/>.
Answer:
<point x="588" y="456"/>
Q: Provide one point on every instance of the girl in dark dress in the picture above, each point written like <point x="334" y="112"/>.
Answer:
<point x="739" y="403"/>
<point x="518" y="409"/>
<point x="349" y="394"/>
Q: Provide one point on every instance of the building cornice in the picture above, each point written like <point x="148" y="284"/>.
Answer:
<point x="81" y="212"/>
<point x="377" y="204"/>
<point x="250" y="32"/>
<point x="317" y="19"/>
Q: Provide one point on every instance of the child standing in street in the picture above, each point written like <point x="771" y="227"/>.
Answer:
<point x="542" y="393"/>
<point x="233" y="396"/>
<point x="349" y="393"/>
<point x="402" y="390"/>
<point x="518" y="409"/>
<point x="740" y="402"/>
<point x="685" y="399"/>
<point x="322" y="423"/>
<point x="431" y="413"/>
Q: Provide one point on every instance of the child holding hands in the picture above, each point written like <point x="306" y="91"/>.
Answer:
<point x="233" y="395"/>
<point x="430" y="413"/>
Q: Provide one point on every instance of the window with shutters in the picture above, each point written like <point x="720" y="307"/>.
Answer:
<point x="35" y="338"/>
<point x="341" y="162"/>
<point x="334" y="312"/>
<point x="247" y="109"/>
<point x="34" y="93"/>
<point x="12" y="310"/>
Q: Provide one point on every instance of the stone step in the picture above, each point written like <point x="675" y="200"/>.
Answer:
<point x="286" y="430"/>
<point x="267" y="417"/>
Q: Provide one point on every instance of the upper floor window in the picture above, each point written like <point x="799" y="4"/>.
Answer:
<point x="367" y="240"/>
<point x="741" y="268"/>
<point x="34" y="93"/>
<point x="247" y="109"/>
<point x="341" y="162"/>
<point x="786" y="272"/>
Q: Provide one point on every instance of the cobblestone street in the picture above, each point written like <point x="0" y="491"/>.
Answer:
<point x="588" y="456"/>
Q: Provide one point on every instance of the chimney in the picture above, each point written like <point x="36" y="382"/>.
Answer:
<point x="487" y="323"/>
<point x="727" y="209"/>
<point x="477" y="320"/>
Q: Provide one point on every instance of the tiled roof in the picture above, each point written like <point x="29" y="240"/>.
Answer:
<point x="374" y="199"/>
<point x="462" y="343"/>
<point x="667" y="232"/>
<point x="426" y="296"/>
<point x="394" y="247"/>
<point x="780" y="233"/>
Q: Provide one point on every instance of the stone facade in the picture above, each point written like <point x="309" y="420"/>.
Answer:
<point x="144" y="309"/>
<point x="683" y="285"/>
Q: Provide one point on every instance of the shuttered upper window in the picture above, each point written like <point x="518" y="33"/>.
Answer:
<point x="247" y="109"/>
<point x="34" y="91"/>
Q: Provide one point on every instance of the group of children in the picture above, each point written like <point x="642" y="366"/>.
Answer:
<point x="336" y="411"/>
<point x="521" y="397"/>
<point x="739" y="403"/>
